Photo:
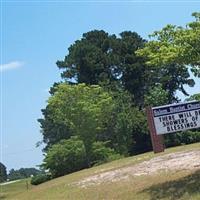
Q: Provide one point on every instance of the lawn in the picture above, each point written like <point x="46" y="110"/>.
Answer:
<point x="174" y="185"/>
<point x="9" y="191"/>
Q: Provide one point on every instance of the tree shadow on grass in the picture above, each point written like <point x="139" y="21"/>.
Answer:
<point x="174" y="190"/>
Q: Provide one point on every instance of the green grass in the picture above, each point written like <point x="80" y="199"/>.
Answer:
<point x="11" y="190"/>
<point x="181" y="185"/>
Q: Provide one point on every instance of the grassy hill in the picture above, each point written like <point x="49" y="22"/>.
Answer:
<point x="172" y="175"/>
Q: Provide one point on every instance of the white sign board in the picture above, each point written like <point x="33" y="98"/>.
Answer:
<point x="176" y="117"/>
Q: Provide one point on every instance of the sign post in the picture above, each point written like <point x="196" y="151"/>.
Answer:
<point x="172" y="118"/>
<point x="156" y="140"/>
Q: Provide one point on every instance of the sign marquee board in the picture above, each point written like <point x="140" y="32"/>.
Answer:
<point x="176" y="117"/>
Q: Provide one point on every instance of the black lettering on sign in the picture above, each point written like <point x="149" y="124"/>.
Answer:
<point x="194" y="118"/>
<point x="197" y="112"/>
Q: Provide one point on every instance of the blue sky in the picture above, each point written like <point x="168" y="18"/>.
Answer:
<point x="37" y="34"/>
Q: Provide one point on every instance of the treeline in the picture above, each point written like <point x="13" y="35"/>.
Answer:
<point x="23" y="173"/>
<point x="97" y="113"/>
<point x="17" y="174"/>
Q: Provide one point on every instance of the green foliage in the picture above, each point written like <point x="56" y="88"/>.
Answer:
<point x="194" y="97"/>
<point x="3" y="173"/>
<point x="83" y="109"/>
<point x="112" y="62"/>
<point x="187" y="137"/>
<point x="102" y="154"/>
<point x="92" y="113"/>
<point x="171" y="78"/>
<point x="120" y="123"/>
<point x="65" y="157"/>
<point x="190" y="137"/>
<point x="107" y="60"/>
<point x="141" y="141"/>
<point x="89" y="60"/>
<point x="98" y="113"/>
<point x="40" y="178"/>
<point x="156" y="97"/>
<point x="22" y="173"/>
<point x="134" y="71"/>
<point x="175" y="44"/>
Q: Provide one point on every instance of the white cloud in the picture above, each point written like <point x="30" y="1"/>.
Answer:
<point x="11" y="65"/>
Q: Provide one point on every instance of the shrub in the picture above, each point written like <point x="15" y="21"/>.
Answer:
<point x="41" y="178"/>
<point x="187" y="137"/>
<point x="66" y="157"/>
<point x="102" y="154"/>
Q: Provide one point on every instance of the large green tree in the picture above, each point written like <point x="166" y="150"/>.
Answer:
<point x="108" y="60"/>
<point x="90" y="60"/>
<point x="175" y="44"/>
<point x="90" y="112"/>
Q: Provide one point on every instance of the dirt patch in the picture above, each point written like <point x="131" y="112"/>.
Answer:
<point x="174" y="161"/>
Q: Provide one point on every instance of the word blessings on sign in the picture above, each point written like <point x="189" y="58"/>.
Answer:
<point x="176" y="117"/>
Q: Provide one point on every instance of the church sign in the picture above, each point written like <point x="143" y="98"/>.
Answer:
<point x="176" y="117"/>
<point x="171" y="118"/>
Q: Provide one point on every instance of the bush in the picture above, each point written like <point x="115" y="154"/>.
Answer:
<point x="187" y="137"/>
<point x="66" y="157"/>
<point x="41" y="178"/>
<point x="102" y="154"/>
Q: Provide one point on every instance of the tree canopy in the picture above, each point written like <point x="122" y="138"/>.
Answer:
<point x="111" y="61"/>
<point x="90" y="112"/>
<point x="175" y="44"/>
<point x="107" y="60"/>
